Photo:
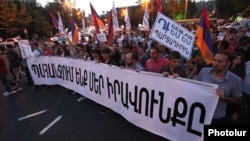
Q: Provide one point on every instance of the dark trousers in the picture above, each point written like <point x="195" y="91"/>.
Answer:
<point x="12" y="73"/>
<point x="4" y="80"/>
<point x="244" y="115"/>
<point x="28" y="75"/>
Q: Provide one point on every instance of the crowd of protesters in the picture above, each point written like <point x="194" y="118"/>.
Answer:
<point x="136" y="51"/>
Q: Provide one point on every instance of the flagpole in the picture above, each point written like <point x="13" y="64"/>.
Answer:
<point x="83" y="20"/>
<point x="186" y="6"/>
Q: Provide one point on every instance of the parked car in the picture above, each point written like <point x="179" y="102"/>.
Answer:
<point x="223" y="26"/>
<point x="11" y="41"/>
<point x="85" y="35"/>
<point x="59" y="38"/>
<point x="238" y="24"/>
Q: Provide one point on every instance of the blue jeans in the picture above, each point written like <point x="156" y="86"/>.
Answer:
<point x="4" y="80"/>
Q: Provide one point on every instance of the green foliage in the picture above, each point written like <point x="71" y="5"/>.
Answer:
<point x="23" y="19"/>
<point x="179" y="16"/>
<point x="230" y="8"/>
<point x="174" y="9"/>
<point x="17" y="15"/>
<point x="8" y="14"/>
<point x="225" y="8"/>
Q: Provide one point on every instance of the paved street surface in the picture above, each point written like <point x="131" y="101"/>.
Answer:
<point x="55" y="114"/>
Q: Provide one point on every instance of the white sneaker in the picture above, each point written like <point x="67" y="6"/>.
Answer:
<point x="6" y="93"/>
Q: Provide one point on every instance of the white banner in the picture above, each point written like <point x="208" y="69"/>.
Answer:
<point x="176" y="109"/>
<point x="172" y="35"/>
<point x="25" y="49"/>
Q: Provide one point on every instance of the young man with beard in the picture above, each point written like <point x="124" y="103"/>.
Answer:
<point x="230" y="85"/>
<point x="132" y="63"/>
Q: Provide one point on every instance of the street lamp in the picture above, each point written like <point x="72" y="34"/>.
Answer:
<point x="123" y="12"/>
<point x="145" y="3"/>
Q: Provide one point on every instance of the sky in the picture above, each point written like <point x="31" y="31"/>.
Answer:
<point x="99" y="5"/>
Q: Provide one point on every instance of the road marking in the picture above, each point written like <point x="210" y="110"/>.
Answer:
<point x="50" y="125"/>
<point x="19" y="89"/>
<point x="81" y="98"/>
<point x="12" y="92"/>
<point x="31" y="115"/>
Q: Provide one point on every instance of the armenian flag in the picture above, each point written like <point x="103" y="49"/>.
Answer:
<point x="159" y="5"/>
<point x="110" y="29"/>
<point x="54" y="20"/>
<point x="74" y="31"/>
<point x="203" y="38"/>
<point x="96" y="19"/>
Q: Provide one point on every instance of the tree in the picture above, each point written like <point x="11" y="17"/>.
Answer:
<point x="225" y="8"/>
<point x="8" y="13"/>
<point x="242" y="5"/>
<point x="176" y="9"/>
<point x="191" y="10"/>
<point x="39" y="25"/>
<point x="23" y="19"/>
<point x="230" y="8"/>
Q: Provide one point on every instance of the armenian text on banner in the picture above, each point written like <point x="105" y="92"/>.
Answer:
<point x="172" y="35"/>
<point x="164" y="106"/>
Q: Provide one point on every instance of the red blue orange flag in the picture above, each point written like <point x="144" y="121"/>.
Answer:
<point x="74" y="31"/>
<point x="203" y="38"/>
<point x="110" y="29"/>
<point x="96" y="19"/>
<point x="54" y="20"/>
<point x="159" y="5"/>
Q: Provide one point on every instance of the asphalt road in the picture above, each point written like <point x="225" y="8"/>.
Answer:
<point x="55" y="114"/>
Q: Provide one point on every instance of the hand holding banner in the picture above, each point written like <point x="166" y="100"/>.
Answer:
<point x="169" y="108"/>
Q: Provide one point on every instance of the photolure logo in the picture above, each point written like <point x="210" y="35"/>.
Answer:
<point x="240" y="132"/>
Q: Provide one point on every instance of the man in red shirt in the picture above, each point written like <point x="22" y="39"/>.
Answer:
<point x="3" y="77"/>
<point x="155" y="63"/>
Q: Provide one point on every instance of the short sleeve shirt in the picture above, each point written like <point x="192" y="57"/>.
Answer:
<point x="231" y="84"/>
